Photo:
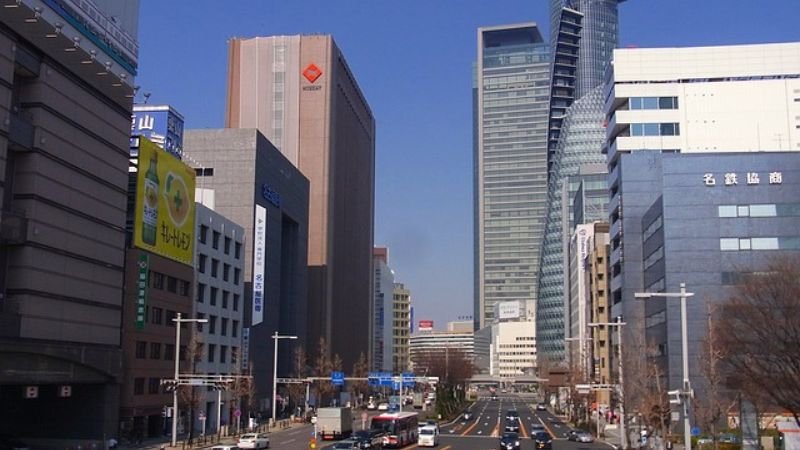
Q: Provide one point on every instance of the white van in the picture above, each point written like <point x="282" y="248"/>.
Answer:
<point x="427" y="437"/>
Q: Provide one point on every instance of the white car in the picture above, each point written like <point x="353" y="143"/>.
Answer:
<point x="383" y="406"/>
<point x="372" y="406"/>
<point x="253" y="441"/>
<point x="427" y="437"/>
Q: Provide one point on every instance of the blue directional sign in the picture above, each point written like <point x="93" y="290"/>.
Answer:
<point x="396" y="385"/>
<point x="696" y="431"/>
<point x="386" y="379"/>
<point x="374" y="379"/>
<point x="337" y="378"/>
<point x="408" y="380"/>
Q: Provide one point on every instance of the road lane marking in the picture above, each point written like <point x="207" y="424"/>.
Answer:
<point x="546" y="427"/>
<point x="496" y="430"/>
<point x="522" y="428"/>
<point x="469" y="428"/>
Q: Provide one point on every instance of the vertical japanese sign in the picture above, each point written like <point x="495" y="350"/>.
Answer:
<point x="141" y="289"/>
<point x="259" y="244"/>
<point x="245" y="348"/>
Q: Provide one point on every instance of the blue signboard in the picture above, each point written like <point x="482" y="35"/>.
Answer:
<point x="161" y="124"/>
<point x="696" y="431"/>
<point x="386" y="379"/>
<point x="337" y="378"/>
<point x="374" y="379"/>
<point x="408" y="380"/>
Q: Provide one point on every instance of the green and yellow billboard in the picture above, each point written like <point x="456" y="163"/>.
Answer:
<point x="164" y="220"/>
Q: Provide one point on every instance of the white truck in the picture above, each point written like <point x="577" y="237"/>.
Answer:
<point x="334" y="423"/>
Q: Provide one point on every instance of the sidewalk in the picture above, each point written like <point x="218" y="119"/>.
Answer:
<point x="203" y="442"/>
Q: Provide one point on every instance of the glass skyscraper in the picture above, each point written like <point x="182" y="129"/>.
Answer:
<point x="511" y="106"/>
<point x="579" y="143"/>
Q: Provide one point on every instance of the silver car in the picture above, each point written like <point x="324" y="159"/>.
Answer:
<point x="253" y="441"/>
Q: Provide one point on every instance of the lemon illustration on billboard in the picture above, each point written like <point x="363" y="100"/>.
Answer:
<point x="164" y="222"/>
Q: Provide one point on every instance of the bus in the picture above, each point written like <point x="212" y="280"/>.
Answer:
<point x="399" y="429"/>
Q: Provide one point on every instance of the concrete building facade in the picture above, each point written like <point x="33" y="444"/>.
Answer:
<point x="247" y="180"/>
<point x="219" y="298"/>
<point x="65" y="108"/>
<point x="401" y="327"/>
<point x="425" y="345"/>
<point x="299" y="92"/>
<point x="511" y="102"/>
<point x="597" y="266"/>
<point x="382" y="344"/>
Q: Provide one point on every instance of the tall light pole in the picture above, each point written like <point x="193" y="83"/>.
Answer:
<point x="276" y="336"/>
<point x="178" y="321"/>
<point x="686" y="390"/>
<point x="619" y="324"/>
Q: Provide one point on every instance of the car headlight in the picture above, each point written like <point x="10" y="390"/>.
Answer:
<point x="516" y="443"/>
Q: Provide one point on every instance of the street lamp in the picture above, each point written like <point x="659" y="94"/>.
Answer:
<point x="178" y="321"/>
<point x="686" y="391"/>
<point x="276" y="336"/>
<point x="619" y="324"/>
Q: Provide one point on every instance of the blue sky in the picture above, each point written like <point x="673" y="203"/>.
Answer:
<point x="413" y="60"/>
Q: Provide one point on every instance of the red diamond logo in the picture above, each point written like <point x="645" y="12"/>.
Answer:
<point x="312" y="73"/>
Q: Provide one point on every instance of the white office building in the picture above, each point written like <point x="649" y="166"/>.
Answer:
<point x="219" y="299"/>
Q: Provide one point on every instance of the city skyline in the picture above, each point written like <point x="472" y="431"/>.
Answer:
<point x="428" y="91"/>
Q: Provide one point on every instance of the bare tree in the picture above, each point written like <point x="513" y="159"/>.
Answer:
<point x="360" y="370"/>
<point x="645" y="384"/>
<point x="759" y="333"/>
<point x="297" y="391"/>
<point x="711" y="407"/>
<point x="454" y="368"/>
<point x="324" y="364"/>
<point x="188" y="394"/>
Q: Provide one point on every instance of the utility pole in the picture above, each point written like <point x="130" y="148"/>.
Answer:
<point x="620" y="386"/>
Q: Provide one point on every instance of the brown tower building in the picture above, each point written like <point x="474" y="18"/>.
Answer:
<point x="299" y="92"/>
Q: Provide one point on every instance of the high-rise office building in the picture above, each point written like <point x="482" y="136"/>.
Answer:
<point x="576" y="141"/>
<point x="300" y="93"/>
<point x="65" y="104"/>
<point x="382" y="341"/>
<point x="511" y="105"/>
<point x="401" y="327"/>
<point x="703" y="157"/>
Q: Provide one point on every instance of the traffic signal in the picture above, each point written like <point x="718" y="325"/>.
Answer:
<point x="169" y="384"/>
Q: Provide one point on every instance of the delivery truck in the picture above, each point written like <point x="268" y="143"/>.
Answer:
<point x="334" y="423"/>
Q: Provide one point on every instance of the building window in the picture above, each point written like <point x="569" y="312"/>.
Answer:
<point x="141" y="349"/>
<point x="212" y="324"/>
<point x="203" y="234"/>
<point x="183" y="288"/>
<point x="212" y="349"/>
<point x="655" y="129"/>
<point x="214" y="267"/>
<point x="201" y="263"/>
<point x="169" y="352"/>
<point x="226" y="271"/>
<point x="223" y="353"/>
<point x="235" y="328"/>
<point x="237" y="275"/>
<point x="225" y="295"/>
<point x="171" y="315"/>
<point x="214" y="291"/>
<point x="201" y="292"/>
<point x="182" y="355"/>
<point x="235" y="302"/>
<point x="155" y="350"/>
<point x="227" y="245"/>
<point x="224" y="327"/>
<point x="158" y="280"/>
<point x="653" y="103"/>
<point x="138" y="386"/>
<point x="215" y="240"/>
<point x="156" y="316"/>
<point x="172" y="284"/>
<point x="238" y="250"/>
<point x="154" y="386"/>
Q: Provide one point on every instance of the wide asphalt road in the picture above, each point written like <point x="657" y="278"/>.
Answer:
<point x="481" y="433"/>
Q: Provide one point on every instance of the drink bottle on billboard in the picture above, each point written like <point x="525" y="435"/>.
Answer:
<point x="150" y="203"/>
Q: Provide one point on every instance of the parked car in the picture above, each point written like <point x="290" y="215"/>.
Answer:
<point x="428" y="436"/>
<point x="253" y="441"/>
<point x="509" y="441"/>
<point x="542" y="441"/>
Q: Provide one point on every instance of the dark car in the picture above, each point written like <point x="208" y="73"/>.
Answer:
<point x="494" y="397"/>
<point x="511" y="425"/>
<point x="543" y="441"/>
<point x="368" y="439"/>
<point x="512" y="415"/>
<point x="509" y="441"/>
<point x="572" y="435"/>
<point x="466" y="416"/>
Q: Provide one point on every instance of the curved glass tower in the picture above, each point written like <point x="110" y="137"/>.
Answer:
<point x="579" y="142"/>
